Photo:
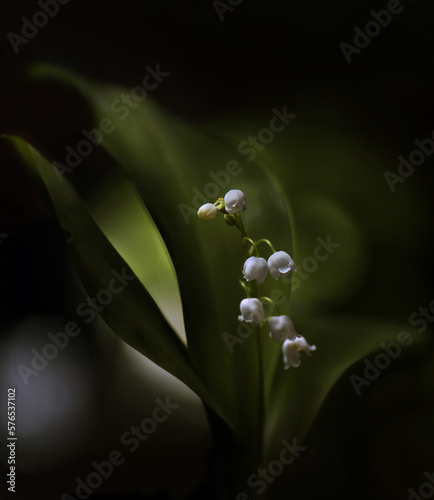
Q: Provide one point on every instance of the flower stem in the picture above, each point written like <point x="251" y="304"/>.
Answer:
<point x="267" y="242"/>
<point x="261" y="388"/>
<point x="254" y="246"/>
<point x="253" y="292"/>
<point x="270" y="301"/>
<point x="219" y="201"/>
<point x="240" y="225"/>
<point x="246" y="288"/>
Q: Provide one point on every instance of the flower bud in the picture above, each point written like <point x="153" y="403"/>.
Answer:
<point x="255" y="268"/>
<point x="252" y="311"/>
<point x="280" y="263"/>
<point x="281" y="328"/>
<point x="235" y="201"/>
<point x="207" y="212"/>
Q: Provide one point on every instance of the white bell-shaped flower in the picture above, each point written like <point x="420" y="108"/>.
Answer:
<point x="281" y="328"/>
<point x="291" y="357"/>
<point x="291" y="351"/>
<point x="207" y="212"/>
<point x="280" y="263"/>
<point x="255" y="268"/>
<point x="302" y="345"/>
<point x="235" y="201"/>
<point x="252" y="311"/>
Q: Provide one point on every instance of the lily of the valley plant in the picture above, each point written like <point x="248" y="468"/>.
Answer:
<point x="256" y="269"/>
<point x="154" y="159"/>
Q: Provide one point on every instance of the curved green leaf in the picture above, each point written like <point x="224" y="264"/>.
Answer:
<point x="299" y="393"/>
<point x="132" y="313"/>
<point x="171" y="164"/>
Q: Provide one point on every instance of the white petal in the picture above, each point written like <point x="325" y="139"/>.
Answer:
<point x="276" y="336"/>
<point x="290" y="355"/>
<point x="302" y="345"/>
<point x="235" y="201"/>
<point x="252" y="311"/>
<point x="280" y="263"/>
<point x="255" y="268"/>
<point x="274" y="271"/>
<point x="282" y="328"/>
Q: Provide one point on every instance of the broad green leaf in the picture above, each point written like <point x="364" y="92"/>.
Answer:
<point x="132" y="313"/>
<point x="171" y="163"/>
<point x="120" y="213"/>
<point x="298" y="393"/>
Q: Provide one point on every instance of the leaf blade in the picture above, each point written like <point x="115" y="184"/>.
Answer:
<point x="132" y="314"/>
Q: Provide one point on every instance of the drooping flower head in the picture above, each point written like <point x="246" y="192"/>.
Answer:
<point x="252" y="311"/>
<point x="255" y="268"/>
<point x="291" y="351"/>
<point x="280" y="263"/>
<point x="302" y="345"/>
<point x="281" y="328"/>
<point x="235" y="201"/>
<point x="207" y="212"/>
<point x="291" y="357"/>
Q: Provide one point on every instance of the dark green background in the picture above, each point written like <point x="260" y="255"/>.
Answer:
<point x="261" y="56"/>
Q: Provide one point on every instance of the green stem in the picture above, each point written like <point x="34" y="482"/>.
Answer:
<point x="270" y="301"/>
<point x="261" y="405"/>
<point x="267" y="242"/>
<point x="253" y="246"/>
<point x="261" y="386"/>
<point x="246" y="288"/>
<point x="240" y="225"/>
